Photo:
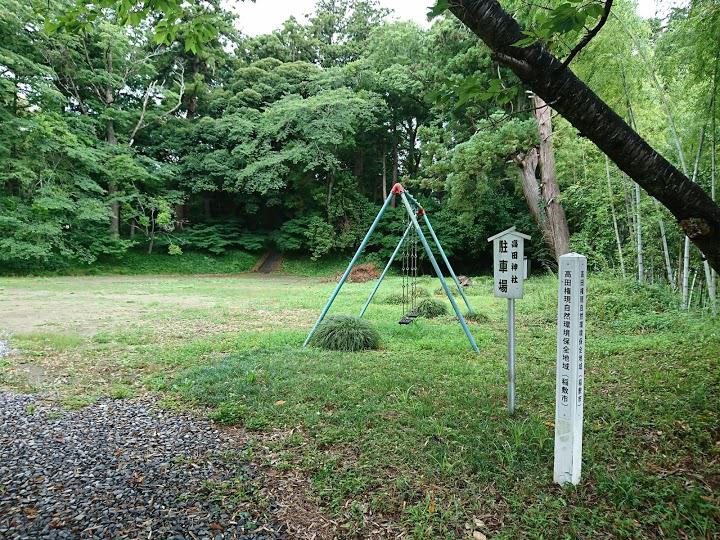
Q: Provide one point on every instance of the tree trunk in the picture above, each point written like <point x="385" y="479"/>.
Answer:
<point x="395" y="157"/>
<point x="666" y="251"/>
<point x="638" y="210"/>
<point x="192" y="105"/>
<point x="384" y="174"/>
<point x="711" y="288"/>
<point x="112" y="186"/>
<point x="713" y="149"/>
<point x="412" y="142"/>
<point x="696" y="212"/>
<point x="331" y="183"/>
<point x="528" y="164"/>
<point x="638" y="236"/>
<point x="686" y="247"/>
<point x="557" y="223"/>
<point x="614" y="218"/>
<point x="359" y="164"/>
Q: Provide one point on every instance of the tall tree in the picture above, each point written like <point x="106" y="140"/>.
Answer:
<point x="551" y="79"/>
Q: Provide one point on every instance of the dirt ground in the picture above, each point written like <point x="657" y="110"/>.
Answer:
<point x="88" y="304"/>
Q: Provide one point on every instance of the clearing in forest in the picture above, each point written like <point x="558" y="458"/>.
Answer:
<point x="413" y="438"/>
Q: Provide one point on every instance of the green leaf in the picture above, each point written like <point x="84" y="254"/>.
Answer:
<point x="525" y="42"/>
<point x="438" y="9"/>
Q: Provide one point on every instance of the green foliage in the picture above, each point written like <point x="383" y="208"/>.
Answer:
<point x="397" y="298"/>
<point x="216" y="142"/>
<point x="431" y="308"/>
<point x="476" y="317"/>
<point x="345" y="333"/>
<point x="217" y="238"/>
<point x="612" y="303"/>
<point x="140" y="263"/>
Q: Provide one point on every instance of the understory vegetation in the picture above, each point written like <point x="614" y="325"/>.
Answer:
<point x="412" y="437"/>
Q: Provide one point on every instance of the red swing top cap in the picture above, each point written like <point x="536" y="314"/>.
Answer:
<point x="397" y="189"/>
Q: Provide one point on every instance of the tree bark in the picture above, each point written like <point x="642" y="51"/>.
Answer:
<point x="686" y="246"/>
<point x="556" y="220"/>
<point x="384" y="175"/>
<point x="395" y="157"/>
<point x="112" y="186"/>
<point x="713" y="149"/>
<point x="638" y="236"/>
<point x="696" y="212"/>
<point x="528" y="164"/>
<point x="666" y="250"/>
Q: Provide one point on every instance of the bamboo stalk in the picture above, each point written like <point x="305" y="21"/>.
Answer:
<point x="614" y="217"/>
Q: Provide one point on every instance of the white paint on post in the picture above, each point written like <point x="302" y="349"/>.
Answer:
<point x="510" y="271"/>
<point x="570" y="371"/>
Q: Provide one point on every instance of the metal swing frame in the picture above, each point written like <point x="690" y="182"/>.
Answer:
<point x="414" y="210"/>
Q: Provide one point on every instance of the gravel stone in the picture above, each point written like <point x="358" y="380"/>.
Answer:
<point x="120" y="469"/>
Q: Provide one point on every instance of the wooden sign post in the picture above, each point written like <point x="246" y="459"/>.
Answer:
<point x="509" y="276"/>
<point x="570" y="371"/>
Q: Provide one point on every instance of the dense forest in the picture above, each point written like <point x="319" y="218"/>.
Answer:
<point x="113" y="140"/>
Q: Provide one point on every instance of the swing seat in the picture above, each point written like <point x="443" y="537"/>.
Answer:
<point x="409" y="317"/>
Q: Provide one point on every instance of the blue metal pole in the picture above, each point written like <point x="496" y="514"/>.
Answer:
<point x="447" y="262"/>
<point x="387" y="267"/>
<point x="349" y="268"/>
<point x="434" y="263"/>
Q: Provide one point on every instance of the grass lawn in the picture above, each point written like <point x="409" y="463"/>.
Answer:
<point x="413" y="437"/>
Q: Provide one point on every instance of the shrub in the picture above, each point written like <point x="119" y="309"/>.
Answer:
<point x="611" y="300"/>
<point x="397" y="298"/>
<point x="345" y="333"/>
<point x="430" y="308"/>
<point x="453" y="290"/>
<point x="476" y="317"/>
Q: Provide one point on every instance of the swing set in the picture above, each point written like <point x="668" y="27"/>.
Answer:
<point x="413" y="233"/>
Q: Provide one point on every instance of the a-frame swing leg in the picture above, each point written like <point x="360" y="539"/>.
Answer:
<point x="447" y="263"/>
<point x="349" y="268"/>
<point x="435" y="266"/>
<point x="387" y="267"/>
<point x="442" y="254"/>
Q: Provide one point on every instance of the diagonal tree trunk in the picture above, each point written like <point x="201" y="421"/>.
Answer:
<point x="696" y="212"/>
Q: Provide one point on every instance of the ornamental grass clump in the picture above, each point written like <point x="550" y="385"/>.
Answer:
<point x="397" y="298"/>
<point x="345" y="333"/>
<point x="476" y="317"/>
<point x="430" y="308"/>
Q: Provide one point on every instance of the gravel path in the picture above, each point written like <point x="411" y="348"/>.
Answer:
<point x="120" y="469"/>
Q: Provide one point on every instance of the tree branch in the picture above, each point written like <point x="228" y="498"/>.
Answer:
<point x="546" y="75"/>
<point x="141" y="121"/>
<point x="591" y="33"/>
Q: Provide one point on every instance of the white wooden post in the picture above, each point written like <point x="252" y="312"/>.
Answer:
<point x="509" y="276"/>
<point x="570" y="372"/>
